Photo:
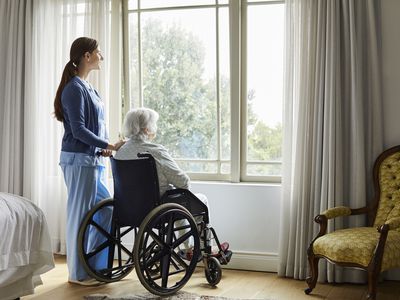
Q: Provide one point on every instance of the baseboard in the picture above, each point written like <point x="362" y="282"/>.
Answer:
<point x="254" y="261"/>
<point x="247" y="260"/>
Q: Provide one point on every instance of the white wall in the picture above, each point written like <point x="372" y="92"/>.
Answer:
<point x="247" y="216"/>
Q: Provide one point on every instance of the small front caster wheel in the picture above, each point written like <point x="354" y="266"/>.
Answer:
<point x="213" y="271"/>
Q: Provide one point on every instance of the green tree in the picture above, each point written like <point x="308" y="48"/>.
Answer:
<point x="173" y="61"/>
<point x="265" y="143"/>
<point x="173" y="85"/>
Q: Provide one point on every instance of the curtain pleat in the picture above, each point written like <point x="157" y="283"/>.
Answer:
<point x="12" y="81"/>
<point x="332" y="122"/>
<point x="55" y="25"/>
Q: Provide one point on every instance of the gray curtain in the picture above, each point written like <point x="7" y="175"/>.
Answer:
<point x="35" y="39"/>
<point x="56" y="24"/>
<point x="15" y="17"/>
<point x="332" y="122"/>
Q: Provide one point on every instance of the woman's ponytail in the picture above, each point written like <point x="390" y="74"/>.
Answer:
<point x="69" y="72"/>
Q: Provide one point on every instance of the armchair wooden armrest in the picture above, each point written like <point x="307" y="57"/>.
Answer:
<point x="339" y="211"/>
<point x="393" y="223"/>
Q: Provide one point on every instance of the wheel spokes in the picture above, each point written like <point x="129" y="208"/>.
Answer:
<point x="159" y="265"/>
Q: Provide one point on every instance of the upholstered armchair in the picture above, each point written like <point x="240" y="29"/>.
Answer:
<point x="375" y="248"/>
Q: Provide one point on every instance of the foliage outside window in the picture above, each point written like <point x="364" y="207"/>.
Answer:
<point x="179" y="65"/>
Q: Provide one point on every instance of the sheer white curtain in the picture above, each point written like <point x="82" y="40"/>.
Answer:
<point x="332" y="119"/>
<point x="55" y="25"/>
<point x="15" y="16"/>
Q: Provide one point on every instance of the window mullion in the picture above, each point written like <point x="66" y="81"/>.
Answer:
<point x="218" y="91"/>
<point x="115" y="72"/>
<point x="243" y="91"/>
<point x="235" y="87"/>
<point x="125" y="49"/>
<point x="140" y="55"/>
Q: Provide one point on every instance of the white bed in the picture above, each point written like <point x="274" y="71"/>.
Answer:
<point x="25" y="248"/>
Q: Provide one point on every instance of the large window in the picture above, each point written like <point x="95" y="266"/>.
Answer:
<point x="181" y="65"/>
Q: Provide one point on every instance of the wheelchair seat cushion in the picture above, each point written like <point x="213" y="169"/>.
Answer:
<point x="339" y="246"/>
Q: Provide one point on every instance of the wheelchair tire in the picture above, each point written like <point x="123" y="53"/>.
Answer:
<point x="213" y="271"/>
<point x="158" y="265"/>
<point x="115" y="269"/>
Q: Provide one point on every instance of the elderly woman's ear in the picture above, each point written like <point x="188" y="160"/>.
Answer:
<point x="150" y="135"/>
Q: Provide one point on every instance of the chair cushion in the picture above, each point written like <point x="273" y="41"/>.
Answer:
<point x="357" y="245"/>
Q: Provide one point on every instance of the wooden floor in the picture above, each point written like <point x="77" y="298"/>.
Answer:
<point x="234" y="283"/>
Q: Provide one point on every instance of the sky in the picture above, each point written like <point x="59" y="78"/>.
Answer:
<point x="265" y="60"/>
<point x="265" y="49"/>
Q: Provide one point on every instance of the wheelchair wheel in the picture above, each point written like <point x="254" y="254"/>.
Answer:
<point x="165" y="230"/>
<point x="213" y="271"/>
<point x="99" y="244"/>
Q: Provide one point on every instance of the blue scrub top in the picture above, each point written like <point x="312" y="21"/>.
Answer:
<point x="84" y="119"/>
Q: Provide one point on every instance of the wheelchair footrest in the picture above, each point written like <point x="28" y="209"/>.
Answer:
<point x="224" y="255"/>
<point x="225" y="258"/>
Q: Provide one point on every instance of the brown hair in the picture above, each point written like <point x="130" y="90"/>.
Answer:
<point x="78" y="49"/>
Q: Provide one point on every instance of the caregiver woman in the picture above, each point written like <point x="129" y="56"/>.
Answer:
<point x="85" y="143"/>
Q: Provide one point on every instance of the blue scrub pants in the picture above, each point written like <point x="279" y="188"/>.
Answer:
<point x="84" y="178"/>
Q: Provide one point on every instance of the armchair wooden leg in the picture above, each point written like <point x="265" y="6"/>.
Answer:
<point x="374" y="268"/>
<point x="372" y="282"/>
<point x="312" y="279"/>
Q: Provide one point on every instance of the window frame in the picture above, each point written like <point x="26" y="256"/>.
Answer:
<point x="238" y="87"/>
<point x="244" y="103"/>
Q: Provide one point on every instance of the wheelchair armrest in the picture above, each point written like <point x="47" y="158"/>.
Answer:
<point x="175" y="193"/>
<point x="188" y="200"/>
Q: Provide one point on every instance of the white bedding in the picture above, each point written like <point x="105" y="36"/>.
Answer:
<point x="25" y="248"/>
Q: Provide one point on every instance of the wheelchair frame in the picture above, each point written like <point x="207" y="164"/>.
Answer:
<point x="160" y="227"/>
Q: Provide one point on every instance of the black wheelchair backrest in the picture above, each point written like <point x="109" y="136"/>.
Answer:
<point x="136" y="190"/>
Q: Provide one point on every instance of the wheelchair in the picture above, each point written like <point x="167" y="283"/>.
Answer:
<point x="148" y="233"/>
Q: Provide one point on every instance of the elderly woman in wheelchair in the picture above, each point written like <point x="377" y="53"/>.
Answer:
<point x="158" y="226"/>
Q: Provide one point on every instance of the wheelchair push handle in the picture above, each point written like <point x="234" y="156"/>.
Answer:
<point x="144" y="154"/>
